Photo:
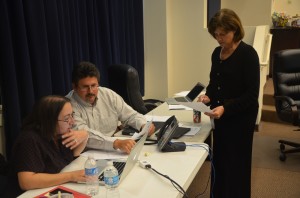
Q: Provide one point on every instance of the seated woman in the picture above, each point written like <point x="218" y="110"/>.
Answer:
<point x="45" y="146"/>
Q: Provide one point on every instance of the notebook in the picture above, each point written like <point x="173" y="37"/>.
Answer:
<point x="195" y="91"/>
<point x="125" y="167"/>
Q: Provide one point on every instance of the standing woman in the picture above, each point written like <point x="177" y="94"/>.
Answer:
<point x="45" y="146"/>
<point x="233" y="96"/>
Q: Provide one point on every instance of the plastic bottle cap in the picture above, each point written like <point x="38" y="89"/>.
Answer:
<point x="90" y="155"/>
<point x="110" y="163"/>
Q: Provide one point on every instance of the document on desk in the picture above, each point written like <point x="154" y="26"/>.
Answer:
<point x="199" y="106"/>
<point x="179" y="107"/>
<point x="154" y="118"/>
<point x="182" y="93"/>
<point x="105" y="154"/>
<point x="193" y="130"/>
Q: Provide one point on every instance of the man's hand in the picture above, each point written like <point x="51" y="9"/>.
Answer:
<point x="124" y="145"/>
<point x="151" y="129"/>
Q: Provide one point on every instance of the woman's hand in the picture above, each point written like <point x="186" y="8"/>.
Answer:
<point x="74" y="138"/>
<point x="203" y="98"/>
<point x="216" y="113"/>
<point x="78" y="176"/>
<point x="124" y="145"/>
<point x="32" y="180"/>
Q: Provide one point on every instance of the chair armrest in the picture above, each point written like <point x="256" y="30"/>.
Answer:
<point x="293" y="107"/>
<point x="287" y="99"/>
<point x="152" y="103"/>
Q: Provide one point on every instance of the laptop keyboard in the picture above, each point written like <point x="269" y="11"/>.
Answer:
<point x="181" y="99"/>
<point x="118" y="165"/>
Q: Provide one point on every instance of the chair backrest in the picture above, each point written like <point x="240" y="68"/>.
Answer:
<point x="286" y="79"/>
<point x="124" y="80"/>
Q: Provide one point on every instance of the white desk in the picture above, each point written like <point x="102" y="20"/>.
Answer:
<point x="180" y="166"/>
<point x="186" y="117"/>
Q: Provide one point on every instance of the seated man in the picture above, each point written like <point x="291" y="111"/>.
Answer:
<point x="99" y="110"/>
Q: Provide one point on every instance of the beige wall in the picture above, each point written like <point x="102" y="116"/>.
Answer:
<point x="291" y="7"/>
<point x="189" y="45"/>
<point x="155" y="37"/>
<point x="251" y="12"/>
<point x="179" y="43"/>
<point x="178" y="46"/>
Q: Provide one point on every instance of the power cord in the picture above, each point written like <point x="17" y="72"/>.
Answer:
<point x="146" y="165"/>
<point x="210" y="155"/>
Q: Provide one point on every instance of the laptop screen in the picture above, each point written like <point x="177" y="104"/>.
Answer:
<point x="195" y="91"/>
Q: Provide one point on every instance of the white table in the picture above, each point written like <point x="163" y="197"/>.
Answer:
<point x="180" y="166"/>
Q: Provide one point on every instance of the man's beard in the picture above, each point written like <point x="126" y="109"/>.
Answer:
<point x="89" y="96"/>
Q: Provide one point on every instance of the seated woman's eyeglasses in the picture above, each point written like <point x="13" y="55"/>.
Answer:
<point x="89" y="87"/>
<point x="67" y="118"/>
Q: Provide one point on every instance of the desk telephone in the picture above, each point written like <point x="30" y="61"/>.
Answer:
<point x="169" y="130"/>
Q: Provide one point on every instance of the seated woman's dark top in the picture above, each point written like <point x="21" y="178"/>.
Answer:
<point x="33" y="153"/>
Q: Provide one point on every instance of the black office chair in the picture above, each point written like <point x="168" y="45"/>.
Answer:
<point x="124" y="80"/>
<point x="286" y="79"/>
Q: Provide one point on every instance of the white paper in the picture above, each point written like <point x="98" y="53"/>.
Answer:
<point x="179" y="107"/>
<point x="157" y="118"/>
<point x="193" y="130"/>
<point x="136" y="136"/>
<point x="106" y="154"/>
<point x="182" y="93"/>
<point x="212" y="122"/>
<point x="145" y="129"/>
<point x="199" y="106"/>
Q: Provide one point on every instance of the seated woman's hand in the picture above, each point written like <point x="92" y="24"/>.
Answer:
<point x="74" y="138"/>
<point x="78" y="176"/>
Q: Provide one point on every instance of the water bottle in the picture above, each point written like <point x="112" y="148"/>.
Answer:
<point x="111" y="180"/>
<point x="91" y="174"/>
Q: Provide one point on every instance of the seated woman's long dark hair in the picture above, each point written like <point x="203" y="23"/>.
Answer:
<point x="43" y="118"/>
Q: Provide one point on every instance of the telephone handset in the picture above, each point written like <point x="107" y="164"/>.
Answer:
<point x="165" y="135"/>
<point x="165" y="126"/>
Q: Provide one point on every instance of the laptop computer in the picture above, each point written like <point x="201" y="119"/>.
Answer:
<point x="125" y="167"/>
<point x="195" y="91"/>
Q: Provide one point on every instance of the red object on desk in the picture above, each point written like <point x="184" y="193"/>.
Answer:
<point x="63" y="190"/>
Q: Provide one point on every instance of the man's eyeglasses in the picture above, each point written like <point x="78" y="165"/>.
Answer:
<point x="68" y="117"/>
<point x="88" y="87"/>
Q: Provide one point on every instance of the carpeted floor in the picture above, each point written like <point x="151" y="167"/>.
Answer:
<point x="271" y="178"/>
